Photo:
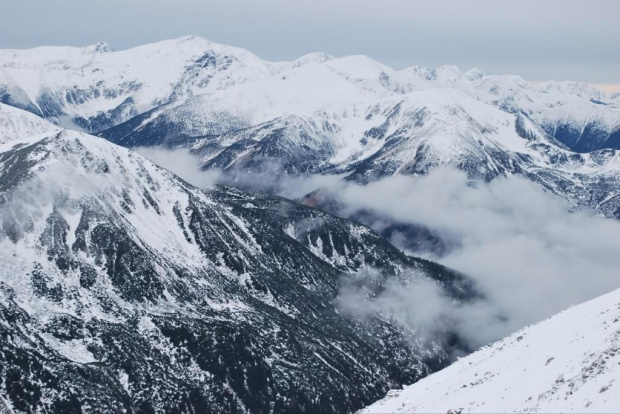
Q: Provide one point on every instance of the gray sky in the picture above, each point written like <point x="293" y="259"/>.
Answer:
<point x="543" y="39"/>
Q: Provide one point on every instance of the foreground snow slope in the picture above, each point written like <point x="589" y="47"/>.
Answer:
<point x="567" y="363"/>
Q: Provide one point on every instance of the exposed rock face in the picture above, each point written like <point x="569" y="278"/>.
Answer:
<point x="124" y="288"/>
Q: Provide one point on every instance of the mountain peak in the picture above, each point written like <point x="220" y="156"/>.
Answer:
<point x="312" y="57"/>
<point x="572" y="88"/>
<point x="192" y="39"/>
<point x="445" y="72"/>
<point x="100" y="47"/>
<point x="18" y="124"/>
<point x="449" y="71"/>
<point x="474" y="73"/>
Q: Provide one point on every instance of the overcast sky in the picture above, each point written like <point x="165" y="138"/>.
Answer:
<point x="550" y="39"/>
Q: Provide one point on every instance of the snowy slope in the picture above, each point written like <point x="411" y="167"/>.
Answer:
<point x="17" y="124"/>
<point x="412" y="134"/>
<point x="446" y="125"/>
<point x="324" y="114"/>
<point x="573" y="115"/>
<point x="567" y="363"/>
<point x="122" y="287"/>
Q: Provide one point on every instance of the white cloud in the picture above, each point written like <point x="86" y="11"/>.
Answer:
<point x="183" y="164"/>
<point x="529" y="254"/>
<point x="526" y="251"/>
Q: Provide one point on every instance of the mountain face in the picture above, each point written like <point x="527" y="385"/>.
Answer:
<point x="16" y="124"/>
<point x="356" y="117"/>
<point x="579" y="117"/>
<point x="567" y="363"/>
<point x="123" y="288"/>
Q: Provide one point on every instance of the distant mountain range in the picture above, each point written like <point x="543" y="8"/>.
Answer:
<point x="324" y="115"/>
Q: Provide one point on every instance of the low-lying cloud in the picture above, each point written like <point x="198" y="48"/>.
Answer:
<point x="183" y="164"/>
<point x="418" y="303"/>
<point x="528" y="253"/>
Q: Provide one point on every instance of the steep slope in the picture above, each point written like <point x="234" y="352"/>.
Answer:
<point x="407" y="134"/>
<point x="126" y="289"/>
<point x="567" y="363"/>
<point x="580" y="117"/>
<point x="302" y="91"/>
<point x="355" y="116"/>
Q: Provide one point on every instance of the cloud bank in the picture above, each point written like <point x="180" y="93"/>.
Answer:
<point x="526" y="250"/>
<point x="183" y="164"/>
<point x="528" y="253"/>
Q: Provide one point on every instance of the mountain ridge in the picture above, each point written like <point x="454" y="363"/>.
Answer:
<point x="192" y="66"/>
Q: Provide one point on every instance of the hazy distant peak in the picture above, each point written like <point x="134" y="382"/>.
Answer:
<point x="100" y="47"/>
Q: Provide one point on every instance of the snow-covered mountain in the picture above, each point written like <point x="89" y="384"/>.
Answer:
<point x="322" y="114"/>
<point x="122" y="287"/>
<point x="17" y="124"/>
<point x="96" y="87"/>
<point x="581" y="117"/>
<point x="411" y="133"/>
<point x="567" y="363"/>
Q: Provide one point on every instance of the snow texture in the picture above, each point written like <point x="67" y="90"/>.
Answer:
<point x="567" y="363"/>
